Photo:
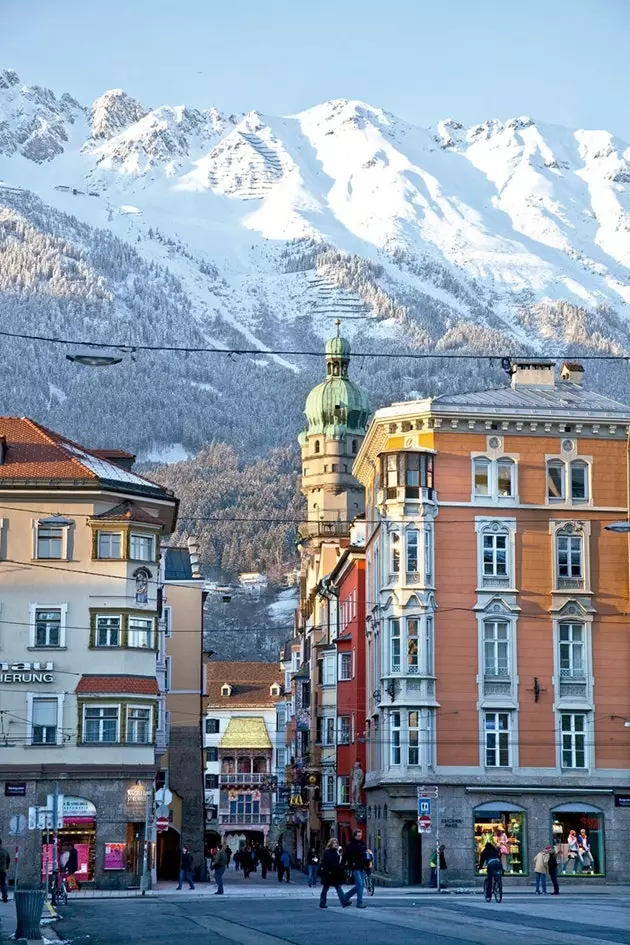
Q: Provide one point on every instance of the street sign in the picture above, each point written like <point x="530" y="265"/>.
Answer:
<point x="50" y="804"/>
<point x="424" y="824"/>
<point x="424" y="791"/>
<point x="163" y="796"/>
<point x="17" y="825"/>
<point x="162" y="811"/>
<point x="424" y="806"/>
<point x="40" y="819"/>
<point x="161" y="824"/>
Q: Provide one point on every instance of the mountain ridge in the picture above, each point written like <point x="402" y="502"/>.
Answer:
<point x="258" y="231"/>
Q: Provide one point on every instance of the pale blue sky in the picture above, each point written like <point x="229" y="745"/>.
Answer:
<point x="564" y="61"/>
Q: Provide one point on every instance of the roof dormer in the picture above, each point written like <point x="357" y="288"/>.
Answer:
<point x="226" y="690"/>
<point x="274" y="690"/>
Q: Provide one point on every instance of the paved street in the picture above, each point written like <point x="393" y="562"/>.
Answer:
<point x="244" y="917"/>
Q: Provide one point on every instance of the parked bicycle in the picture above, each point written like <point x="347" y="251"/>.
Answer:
<point x="58" y="888"/>
<point x="369" y="883"/>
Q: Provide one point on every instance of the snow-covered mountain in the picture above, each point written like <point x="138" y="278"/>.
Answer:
<point x="257" y="231"/>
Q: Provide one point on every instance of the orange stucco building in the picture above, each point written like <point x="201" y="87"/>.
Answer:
<point x="498" y="643"/>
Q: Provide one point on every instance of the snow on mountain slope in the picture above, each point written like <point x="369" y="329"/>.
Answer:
<point x="445" y="237"/>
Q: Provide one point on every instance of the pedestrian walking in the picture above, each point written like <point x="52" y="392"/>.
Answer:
<point x="237" y="860"/>
<point x="433" y="863"/>
<point x="284" y="867"/>
<point x="219" y="866"/>
<point x="72" y="867"/>
<point x="552" y="866"/>
<point x="265" y="861"/>
<point x="312" y="865"/>
<point x="228" y="853"/>
<point x="186" y="868"/>
<point x="332" y="874"/>
<point x="541" y="870"/>
<point x="355" y="857"/>
<point x="5" y="860"/>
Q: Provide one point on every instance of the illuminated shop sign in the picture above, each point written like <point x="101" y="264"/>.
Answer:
<point x="27" y="673"/>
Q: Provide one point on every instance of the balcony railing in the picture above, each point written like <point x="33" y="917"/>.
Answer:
<point x="324" y="529"/>
<point x="243" y="778"/>
<point x="239" y="819"/>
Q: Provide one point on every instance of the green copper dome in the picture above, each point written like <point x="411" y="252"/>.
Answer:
<point x="337" y="407"/>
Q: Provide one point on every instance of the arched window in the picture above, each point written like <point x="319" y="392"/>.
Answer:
<point x="579" y="481"/>
<point x="556" y="488"/>
<point x="481" y="472"/>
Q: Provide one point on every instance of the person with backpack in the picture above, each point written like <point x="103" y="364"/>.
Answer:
<point x="332" y="874"/>
<point x="284" y="867"/>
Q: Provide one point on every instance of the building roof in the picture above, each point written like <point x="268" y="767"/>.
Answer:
<point x="108" y="685"/>
<point x="336" y="407"/>
<point x="562" y="399"/>
<point x="250" y="684"/>
<point x="177" y="566"/>
<point x="246" y="733"/>
<point x="127" y="512"/>
<point x="43" y="457"/>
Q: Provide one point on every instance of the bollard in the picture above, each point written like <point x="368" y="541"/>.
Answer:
<point x="29" y="904"/>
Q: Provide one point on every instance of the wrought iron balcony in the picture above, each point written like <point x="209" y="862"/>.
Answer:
<point x="241" y="779"/>
<point x="324" y="529"/>
<point x="244" y="819"/>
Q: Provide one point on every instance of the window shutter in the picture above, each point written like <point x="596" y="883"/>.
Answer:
<point x="80" y="705"/>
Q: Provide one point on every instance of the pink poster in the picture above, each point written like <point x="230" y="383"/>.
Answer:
<point x="115" y="856"/>
<point x="83" y="853"/>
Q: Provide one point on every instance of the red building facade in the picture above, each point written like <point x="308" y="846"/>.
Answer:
<point x="348" y="579"/>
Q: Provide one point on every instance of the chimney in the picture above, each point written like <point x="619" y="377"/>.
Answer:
<point x="572" y="372"/>
<point x="533" y="373"/>
<point x="193" y="551"/>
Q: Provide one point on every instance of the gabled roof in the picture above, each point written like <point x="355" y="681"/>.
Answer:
<point x="250" y="682"/>
<point x="246" y="733"/>
<point x="127" y="512"/>
<point x="110" y="685"/>
<point x="42" y="457"/>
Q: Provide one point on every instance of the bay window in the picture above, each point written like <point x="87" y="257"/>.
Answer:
<point x="413" y="732"/>
<point x="428" y="555"/>
<point x="412" y="645"/>
<point x="109" y="544"/>
<point x="394" y="643"/>
<point x="394" y="719"/>
<point x="394" y="546"/>
<point x="412" y="471"/>
<point x="141" y="547"/>
<point x="140" y="633"/>
<point x="412" y="551"/>
<point x="100" y="723"/>
<point x="139" y="725"/>
<point x="108" y="630"/>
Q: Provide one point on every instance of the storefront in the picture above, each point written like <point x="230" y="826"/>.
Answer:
<point x="577" y="834"/>
<point x="504" y="825"/>
<point x="78" y="832"/>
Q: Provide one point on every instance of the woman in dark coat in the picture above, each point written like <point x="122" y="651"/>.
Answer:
<point x="332" y="874"/>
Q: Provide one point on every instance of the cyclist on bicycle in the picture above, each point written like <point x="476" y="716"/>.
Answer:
<point x="491" y="859"/>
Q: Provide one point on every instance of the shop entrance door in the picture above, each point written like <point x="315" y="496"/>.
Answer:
<point x="412" y="845"/>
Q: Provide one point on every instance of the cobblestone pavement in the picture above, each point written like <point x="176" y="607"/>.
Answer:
<point x="590" y="919"/>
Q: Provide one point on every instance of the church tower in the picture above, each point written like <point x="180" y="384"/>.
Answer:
<point x="337" y="413"/>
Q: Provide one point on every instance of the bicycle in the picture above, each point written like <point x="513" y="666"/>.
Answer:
<point x="58" y="889"/>
<point x="494" y="887"/>
<point x="369" y="883"/>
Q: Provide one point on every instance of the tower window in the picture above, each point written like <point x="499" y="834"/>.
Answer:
<point x="317" y="446"/>
<point x="355" y="447"/>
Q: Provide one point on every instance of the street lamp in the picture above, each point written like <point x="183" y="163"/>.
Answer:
<point x="621" y="527"/>
<point x="94" y="358"/>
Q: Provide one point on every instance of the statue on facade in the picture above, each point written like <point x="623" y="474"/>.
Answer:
<point x="356" y="777"/>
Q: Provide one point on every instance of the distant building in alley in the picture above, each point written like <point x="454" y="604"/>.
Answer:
<point x="497" y="641"/>
<point x="240" y="746"/>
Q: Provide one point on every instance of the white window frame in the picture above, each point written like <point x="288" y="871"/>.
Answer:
<point x="410" y="544"/>
<point x="495" y="621"/>
<point x="346" y="660"/>
<point x="428" y="554"/>
<point x="417" y="729"/>
<point x="329" y="731"/>
<point x="328" y="793"/>
<point x="142" y="537"/>
<point x="108" y="646"/>
<point x="396" y="552"/>
<point x="168" y="668"/>
<point x="496" y="527"/>
<point x="167" y="617"/>
<point x="580" y="464"/>
<point x="565" y="463"/>
<point x="570" y="673"/>
<point x="64" y="526"/>
<point x="493" y="459"/>
<point x="395" y="732"/>
<point x="30" y="698"/>
<point x="571" y="529"/>
<point x="412" y="669"/>
<point x="497" y="734"/>
<point x="150" y="632"/>
<point x="33" y="608"/>
<point x="573" y="735"/>
<point x="344" y="736"/>
<point x="395" y="662"/>
<point x="130" y="708"/>
<point x="101" y="705"/>
<point x="328" y="669"/>
<point x="428" y="644"/>
<point x="110" y="531"/>
<point x="343" y="789"/>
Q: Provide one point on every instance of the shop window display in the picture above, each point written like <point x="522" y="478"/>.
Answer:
<point x="578" y="838"/>
<point x="506" y="830"/>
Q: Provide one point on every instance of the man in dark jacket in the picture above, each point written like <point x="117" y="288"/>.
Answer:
<point x="219" y="866"/>
<point x="355" y="856"/>
<point x="5" y="859"/>
<point x="186" y="868"/>
<point x="552" y="866"/>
